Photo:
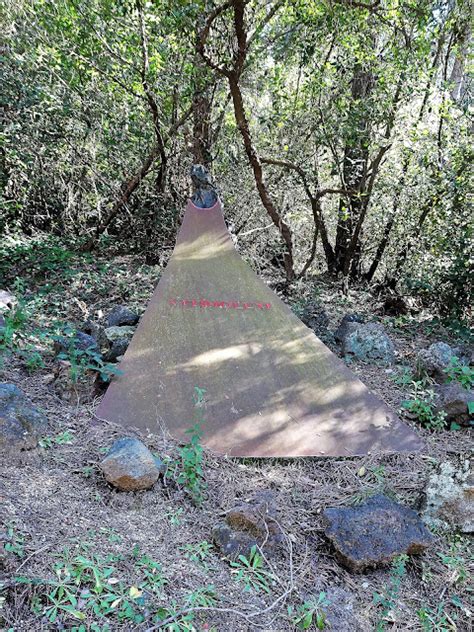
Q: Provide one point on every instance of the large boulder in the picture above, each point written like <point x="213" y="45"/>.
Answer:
<point x="21" y="423"/>
<point x="121" y="316"/>
<point x="436" y="359"/>
<point x="449" y="498"/>
<point x="367" y="342"/>
<point x="130" y="466"/>
<point x="453" y="400"/>
<point x="374" y="533"/>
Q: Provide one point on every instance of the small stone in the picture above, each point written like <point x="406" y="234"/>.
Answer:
<point x="80" y="342"/>
<point x="343" y="328"/>
<point x="341" y="615"/>
<point x="74" y="384"/>
<point x="116" y="333"/>
<point x="374" y="533"/>
<point x="130" y="466"/>
<point x="233" y="543"/>
<point x="367" y="342"/>
<point x="453" y="400"/>
<point x="120" y="316"/>
<point x="116" y="350"/>
<point x="96" y="331"/>
<point x="248" y="524"/>
<point x="449" y="498"/>
<point x="257" y="518"/>
<point x="204" y="195"/>
<point x="436" y="358"/>
<point x="21" y="424"/>
<point x="7" y="299"/>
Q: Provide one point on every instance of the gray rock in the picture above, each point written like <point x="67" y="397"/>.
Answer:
<point x="436" y="358"/>
<point x="116" y="333"/>
<point x="116" y="350"/>
<point x="233" y="543"/>
<point x="449" y="498"/>
<point x="256" y="517"/>
<point x="21" y="424"/>
<point x="248" y="524"/>
<point x="374" y="533"/>
<point x="7" y="299"/>
<point x="341" y="616"/>
<point x="204" y="195"/>
<point x="96" y="331"/>
<point x="453" y="399"/>
<point x="343" y="328"/>
<point x="121" y="316"/>
<point x="80" y="341"/>
<point x="368" y="342"/>
<point x="130" y="466"/>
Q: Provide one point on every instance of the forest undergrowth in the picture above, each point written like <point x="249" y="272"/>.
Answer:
<point x="81" y="556"/>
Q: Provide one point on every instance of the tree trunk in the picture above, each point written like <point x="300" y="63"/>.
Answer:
<point x="244" y="129"/>
<point x="356" y="155"/>
<point x="128" y="188"/>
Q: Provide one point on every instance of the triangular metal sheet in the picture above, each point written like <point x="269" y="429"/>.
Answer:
<point x="273" y="389"/>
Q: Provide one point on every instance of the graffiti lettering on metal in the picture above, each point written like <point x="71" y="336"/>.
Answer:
<point x="205" y="304"/>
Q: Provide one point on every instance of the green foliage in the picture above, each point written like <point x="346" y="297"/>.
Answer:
<point x="174" y="516"/>
<point x="310" y="614"/>
<point x="63" y="438"/>
<point x="16" y="319"/>
<point x="461" y="373"/>
<point x="422" y="406"/>
<point x="198" y="552"/>
<point x="84" y="360"/>
<point x="191" y="472"/>
<point x="15" y="541"/>
<point x="39" y="258"/>
<point x="403" y="376"/>
<point x="82" y="121"/>
<point x="437" y="619"/>
<point x="387" y="600"/>
<point x="32" y="359"/>
<point x="250" y="572"/>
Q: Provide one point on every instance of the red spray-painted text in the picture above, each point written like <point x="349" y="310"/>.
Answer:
<point x="204" y="303"/>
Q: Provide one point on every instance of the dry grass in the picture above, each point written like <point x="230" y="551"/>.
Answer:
<point x="57" y="499"/>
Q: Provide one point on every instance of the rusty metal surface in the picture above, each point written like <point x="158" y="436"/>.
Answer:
<point x="272" y="387"/>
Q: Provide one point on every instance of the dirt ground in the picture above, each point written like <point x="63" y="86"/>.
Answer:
<point x="56" y="505"/>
